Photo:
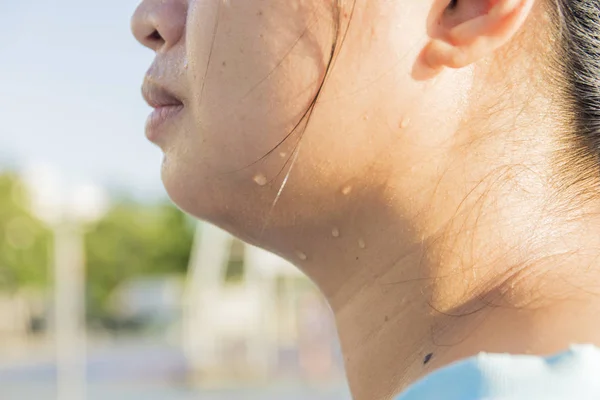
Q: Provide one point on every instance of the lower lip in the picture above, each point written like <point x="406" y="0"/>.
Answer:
<point x="156" y="125"/>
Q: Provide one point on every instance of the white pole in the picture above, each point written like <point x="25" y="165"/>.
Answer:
<point x="262" y="347"/>
<point x="69" y="318"/>
<point x="67" y="212"/>
<point x="202" y="294"/>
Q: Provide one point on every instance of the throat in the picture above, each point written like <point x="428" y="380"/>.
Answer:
<point x="387" y="345"/>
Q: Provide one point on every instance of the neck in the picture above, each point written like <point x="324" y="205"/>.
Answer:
<point x="485" y="268"/>
<point x="413" y="304"/>
<point x="392" y="333"/>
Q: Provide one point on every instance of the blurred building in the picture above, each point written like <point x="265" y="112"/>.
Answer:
<point x="17" y="311"/>
<point x="251" y="327"/>
<point x="148" y="303"/>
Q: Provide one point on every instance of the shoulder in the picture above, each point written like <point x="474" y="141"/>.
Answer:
<point x="514" y="377"/>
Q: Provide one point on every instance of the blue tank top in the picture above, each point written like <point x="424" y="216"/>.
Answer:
<point x="571" y="375"/>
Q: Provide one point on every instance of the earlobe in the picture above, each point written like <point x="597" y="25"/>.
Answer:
<point x="476" y="35"/>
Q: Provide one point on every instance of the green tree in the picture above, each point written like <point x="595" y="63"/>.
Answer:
<point x="135" y="240"/>
<point x="132" y="240"/>
<point x="24" y="241"/>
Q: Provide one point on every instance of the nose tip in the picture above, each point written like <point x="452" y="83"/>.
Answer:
<point x="159" y="24"/>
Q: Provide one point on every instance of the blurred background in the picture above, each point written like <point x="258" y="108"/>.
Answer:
<point x="106" y="289"/>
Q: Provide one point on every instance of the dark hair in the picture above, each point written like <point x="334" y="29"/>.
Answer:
<point x="577" y="25"/>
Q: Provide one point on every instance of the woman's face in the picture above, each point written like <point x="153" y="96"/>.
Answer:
<point x="272" y="131"/>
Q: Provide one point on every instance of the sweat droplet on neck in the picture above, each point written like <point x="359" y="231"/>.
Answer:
<point x="346" y="190"/>
<point x="260" y="179"/>
<point x="361" y="243"/>
<point x="335" y="232"/>
<point x="301" y="255"/>
<point x="404" y="123"/>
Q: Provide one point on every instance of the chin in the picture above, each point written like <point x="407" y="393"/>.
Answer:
<point x="211" y="200"/>
<point x="187" y="190"/>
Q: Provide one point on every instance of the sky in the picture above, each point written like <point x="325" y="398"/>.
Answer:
<point x="70" y="77"/>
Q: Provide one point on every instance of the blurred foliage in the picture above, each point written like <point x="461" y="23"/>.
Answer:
<point x="24" y="241"/>
<point x="132" y="240"/>
<point x="135" y="240"/>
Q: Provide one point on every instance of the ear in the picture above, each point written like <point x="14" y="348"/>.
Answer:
<point x="466" y="31"/>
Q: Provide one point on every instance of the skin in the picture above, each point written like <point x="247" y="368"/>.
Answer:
<point x="421" y="197"/>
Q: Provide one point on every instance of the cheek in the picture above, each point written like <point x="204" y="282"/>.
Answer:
<point x="255" y="67"/>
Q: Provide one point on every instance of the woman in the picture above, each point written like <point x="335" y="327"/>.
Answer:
<point x="431" y="165"/>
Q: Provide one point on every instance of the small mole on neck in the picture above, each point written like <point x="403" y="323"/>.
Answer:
<point x="427" y="358"/>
